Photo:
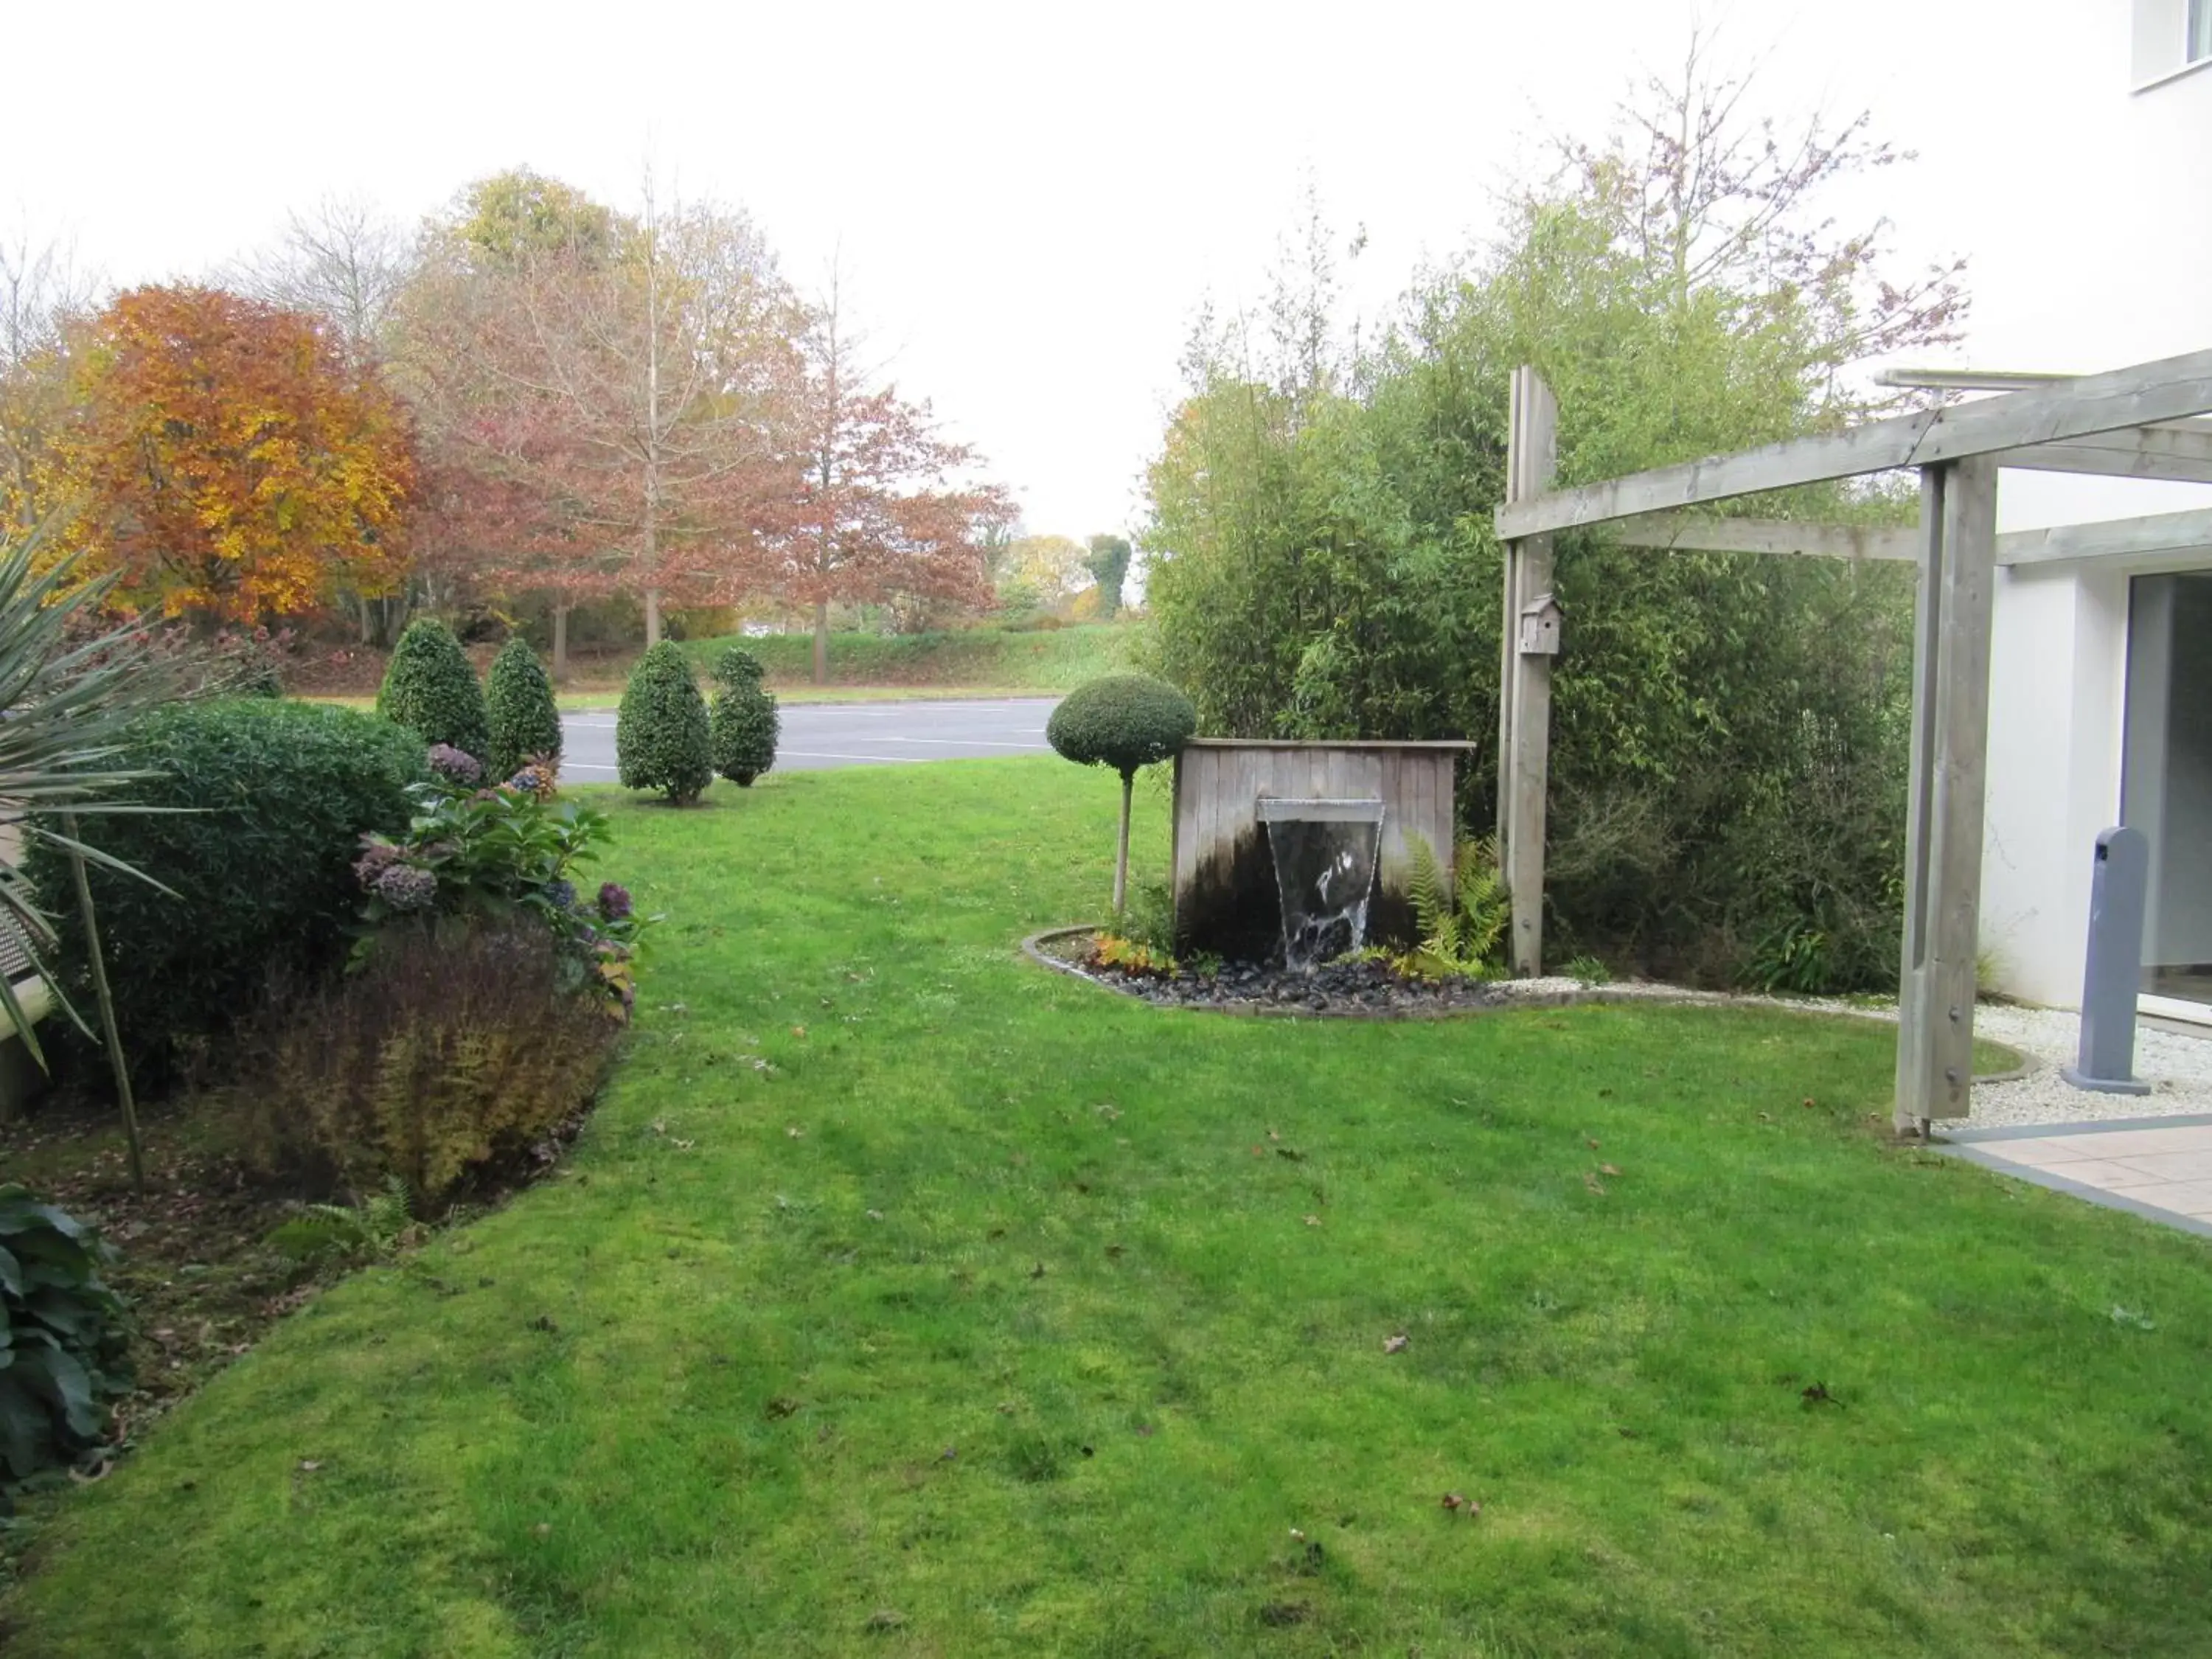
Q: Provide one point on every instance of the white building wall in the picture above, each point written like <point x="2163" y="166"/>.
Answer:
<point x="2104" y="258"/>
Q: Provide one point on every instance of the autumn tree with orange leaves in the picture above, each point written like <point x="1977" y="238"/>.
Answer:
<point x="882" y="514"/>
<point x="231" y="460"/>
<point x="604" y="399"/>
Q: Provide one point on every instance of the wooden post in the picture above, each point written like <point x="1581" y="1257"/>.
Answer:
<point x="1524" y="692"/>
<point x="1944" y="805"/>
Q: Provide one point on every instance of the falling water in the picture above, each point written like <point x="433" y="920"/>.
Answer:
<point x="1324" y="853"/>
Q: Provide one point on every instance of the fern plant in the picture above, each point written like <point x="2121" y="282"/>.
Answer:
<point x="377" y="1226"/>
<point x="1461" y="922"/>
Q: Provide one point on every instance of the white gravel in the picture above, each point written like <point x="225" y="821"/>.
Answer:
<point x="2178" y="1068"/>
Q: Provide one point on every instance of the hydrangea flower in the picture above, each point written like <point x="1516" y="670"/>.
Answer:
<point x="535" y="779"/>
<point x="561" y="895"/>
<point x="455" y="765"/>
<point x="405" y="888"/>
<point x="376" y="857"/>
<point x="614" y="901"/>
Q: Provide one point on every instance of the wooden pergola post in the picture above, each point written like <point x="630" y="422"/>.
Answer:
<point x="1524" y="686"/>
<point x="1943" y="809"/>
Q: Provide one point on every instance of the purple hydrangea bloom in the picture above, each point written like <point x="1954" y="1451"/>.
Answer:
<point x="405" y="888"/>
<point x="454" y="765"/>
<point x="376" y="857"/>
<point x="614" y="901"/>
<point x="561" y="895"/>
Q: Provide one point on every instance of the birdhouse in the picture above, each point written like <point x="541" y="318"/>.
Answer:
<point x="1539" y="627"/>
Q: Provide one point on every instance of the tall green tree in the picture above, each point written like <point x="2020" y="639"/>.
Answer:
<point x="1108" y="562"/>
<point x="1729" y="730"/>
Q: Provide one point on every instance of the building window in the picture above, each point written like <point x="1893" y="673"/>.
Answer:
<point x="2198" y="47"/>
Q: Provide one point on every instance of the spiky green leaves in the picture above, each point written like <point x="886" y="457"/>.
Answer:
<point x="519" y="706"/>
<point x="430" y="689"/>
<point x="744" y="725"/>
<point x="661" y="732"/>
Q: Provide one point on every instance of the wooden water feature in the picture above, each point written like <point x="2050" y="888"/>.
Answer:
<point x="1226" y="900"/>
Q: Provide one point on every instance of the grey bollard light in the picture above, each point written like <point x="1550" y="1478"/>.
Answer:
<point x="2118" y="889"/>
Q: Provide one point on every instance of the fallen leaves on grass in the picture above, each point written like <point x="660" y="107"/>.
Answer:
<point x="1313" y="1221"/>
<point x="1590" y="1180"/>
<point x="1607" y="1170"/>
<point x="1816" y="1394"/>
<point x="1394" y="1344"/>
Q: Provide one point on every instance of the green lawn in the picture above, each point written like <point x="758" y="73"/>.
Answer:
<point x="906" y="1299"/>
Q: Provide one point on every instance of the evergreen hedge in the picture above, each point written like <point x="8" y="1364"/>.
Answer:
<point x="430" y="689"/>
<point x="743" y="724"/>
<point x="661" y="732"/>
<point x="519" y="710"/>
<point x="259" y="869"/>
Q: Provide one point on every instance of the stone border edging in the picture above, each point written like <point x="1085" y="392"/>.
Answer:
<point x="1639" y="990"/>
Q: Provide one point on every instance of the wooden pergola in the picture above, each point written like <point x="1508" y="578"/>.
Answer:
<point x="2139" y="422"/>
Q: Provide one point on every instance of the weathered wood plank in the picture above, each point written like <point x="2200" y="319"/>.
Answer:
<point x="1524" y="759"/>
<point x="2167" y="390"/>
<point x="2153" y="534"/>
<point x="1945" y="801"/>
<point x="2176" y="453"/>
<point x="1684" y="532"/>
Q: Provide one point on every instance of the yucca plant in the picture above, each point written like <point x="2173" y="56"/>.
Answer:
<point x="64" y="707"/>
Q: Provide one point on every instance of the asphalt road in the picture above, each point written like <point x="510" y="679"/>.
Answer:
<point x="820" y="735"/>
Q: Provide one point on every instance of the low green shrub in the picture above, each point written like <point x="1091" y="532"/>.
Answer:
<point x="1461" y="921"/>
<point x="742" y="725"/>
<point x="662" y="730"/>
<point x="430" y="689"/>
<point x="258" y="867"/>
<point x="62" y="1338"/>
<point x="522" y="719"/>
<point x="455" y="1053"/>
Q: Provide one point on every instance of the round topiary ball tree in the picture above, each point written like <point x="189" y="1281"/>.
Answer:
<point x="743" y="727"/>
<point x="661" y="732"/>
<point x="430" y="689"/>
<point x="519" y="706"/>
<point x="1125" y="722"/>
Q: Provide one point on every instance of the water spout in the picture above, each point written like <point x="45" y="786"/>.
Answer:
<point x="1325" y="857"/>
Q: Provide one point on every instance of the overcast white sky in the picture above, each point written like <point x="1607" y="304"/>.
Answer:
<point x="1031" y="200"/>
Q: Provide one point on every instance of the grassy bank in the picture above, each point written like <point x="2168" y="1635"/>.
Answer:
<point x="1054" y="660"/>
<point x="905" y="1299"/>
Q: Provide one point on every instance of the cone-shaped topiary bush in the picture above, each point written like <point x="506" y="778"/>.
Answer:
<point x="743" y="727"/>
<point x="431" y="689"/>
<point x="1125" y="722"/>
<point x="519" y="705"/>
<point x="660" y="733"/>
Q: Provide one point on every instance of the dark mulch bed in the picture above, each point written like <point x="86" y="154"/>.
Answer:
<point x="1356" y="989"/>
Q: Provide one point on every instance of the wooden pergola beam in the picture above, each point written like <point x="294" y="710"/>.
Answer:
<point x="2170" y="389"/>
<point x="2148" y="537"/>
<point x="1682" y="532"/>
<point x="2180" y="452"/>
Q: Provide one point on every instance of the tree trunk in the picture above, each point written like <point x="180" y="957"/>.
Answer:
<point x="560" y="641"/>
<point x="822" y="642"/>
<point x="651" y="617"/>
<point x="1121" y="853"/>
<point x="113" y="1038"/>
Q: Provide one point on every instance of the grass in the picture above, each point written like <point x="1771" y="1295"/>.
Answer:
<point x="906" y="1299"/>
<point x="1046" y="660"/>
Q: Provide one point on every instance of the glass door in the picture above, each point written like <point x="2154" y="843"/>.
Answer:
<point x="2166" y="776"/>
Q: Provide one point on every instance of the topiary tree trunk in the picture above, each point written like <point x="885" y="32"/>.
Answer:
<point x="1121" y="853"/>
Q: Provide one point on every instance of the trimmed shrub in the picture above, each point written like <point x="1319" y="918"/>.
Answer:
<point x="62" y="1336"/>
<point x="260" y="869"/>
<point x="430" y="689"/>
<point x="518" y="710"/>
<point x="454" y="1054"/>
<point x="1122" y="720"/>
<point x="661" y="738"/>
<point x="744" y="725"/>
<point x="1125" y="722"/>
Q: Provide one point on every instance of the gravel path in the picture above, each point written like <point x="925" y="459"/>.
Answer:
<point x="2179" y="1068"/>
